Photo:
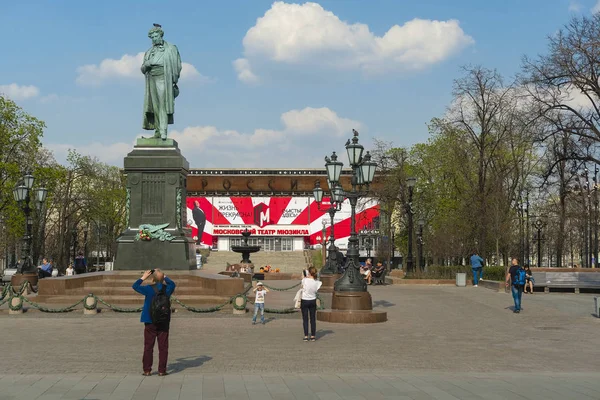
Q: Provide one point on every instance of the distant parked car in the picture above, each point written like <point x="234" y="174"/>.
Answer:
<point x="7" y="275"/>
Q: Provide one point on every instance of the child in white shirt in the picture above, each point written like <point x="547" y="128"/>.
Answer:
<point x="259" y="302"/>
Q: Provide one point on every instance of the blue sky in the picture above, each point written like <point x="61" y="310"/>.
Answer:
<point x="307" y="73"/>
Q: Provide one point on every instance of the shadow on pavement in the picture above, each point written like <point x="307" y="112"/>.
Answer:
<point x="323" y="332"/>
<point x="184" y="363"/>
<point x="383" y="303"/>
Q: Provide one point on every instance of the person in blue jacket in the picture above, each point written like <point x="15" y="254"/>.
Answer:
<point x="154" y="332"/>
<point x="477" y="267"/>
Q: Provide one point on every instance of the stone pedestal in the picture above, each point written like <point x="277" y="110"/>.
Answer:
<point x="328" y="281"/>
<point x="17" y="280"/>
<point x="156" y="194"/>
<point x="351" y="308"/>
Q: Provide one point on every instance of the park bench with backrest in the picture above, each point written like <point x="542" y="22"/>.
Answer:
<point x="576" y="281"/>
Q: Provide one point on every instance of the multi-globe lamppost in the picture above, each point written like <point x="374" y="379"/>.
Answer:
<point x="22" y="195"/>
<point x="363" y="172"/>
<point x="336" y="198"/>
<point x="410" y="182"/>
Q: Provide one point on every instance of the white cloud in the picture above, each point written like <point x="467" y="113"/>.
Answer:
<point x="574" y="6"/>
<point x="127" y="67"/>
<point x="596" y="8"/>
<point x="314" y="120"/>
<point x="245" y="74"/>
<point x="304" y="135"/>
<point x="19" y="92"/>
<point x="307" y="34"/>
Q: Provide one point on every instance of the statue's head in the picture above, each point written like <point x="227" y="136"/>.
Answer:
<point x="156" y="34"/>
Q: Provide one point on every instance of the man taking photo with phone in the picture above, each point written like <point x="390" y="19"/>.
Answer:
<point x="156" y="316"/>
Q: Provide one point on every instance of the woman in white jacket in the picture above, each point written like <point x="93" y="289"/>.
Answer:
<point x="308" y="303"/>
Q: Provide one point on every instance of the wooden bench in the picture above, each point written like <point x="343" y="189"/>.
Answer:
<point x="558" y="281"/>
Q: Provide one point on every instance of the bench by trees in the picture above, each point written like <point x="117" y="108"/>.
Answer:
<point x="560" y="281"/>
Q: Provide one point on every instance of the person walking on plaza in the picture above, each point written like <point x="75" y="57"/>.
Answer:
<point x="477" y="267"/>
<point x="517" y="277"/>
<point x="259" y="302"/>
<point x="308" y="303"/>
<point x="156" y="316"/>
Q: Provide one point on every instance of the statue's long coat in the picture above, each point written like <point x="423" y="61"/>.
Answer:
<point x="172" y="65"/>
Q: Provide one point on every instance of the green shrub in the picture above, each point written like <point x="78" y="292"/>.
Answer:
<point x="492" y="273"/>
<point x="317" y="259"/>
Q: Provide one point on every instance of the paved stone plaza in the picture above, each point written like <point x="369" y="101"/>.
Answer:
<point x="439" y="343"/>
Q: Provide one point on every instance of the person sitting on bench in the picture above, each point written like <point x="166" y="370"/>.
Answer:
<point x="366" y="271"/>
<point x="45" y="270"/>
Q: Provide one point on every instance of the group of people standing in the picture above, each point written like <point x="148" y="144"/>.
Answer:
<point x="156" y="316"/>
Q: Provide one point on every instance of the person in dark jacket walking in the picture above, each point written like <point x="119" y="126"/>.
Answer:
<point x="152" y="331"/>
<point x="515" y="288"/>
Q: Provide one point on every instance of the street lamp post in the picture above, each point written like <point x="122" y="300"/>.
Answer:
<point x="527" y="241"/>
<point x="23" y="196"/>
<point x="421" y="223"/>
<point x="393" y="246"/>
<point x="74" y="235"/>
<point x="336" y="199"/>
<point x="410" y="182"/>
<point x="323" y="241"/>
<point x="363" y="172"/>
<point x="539" y="224"/>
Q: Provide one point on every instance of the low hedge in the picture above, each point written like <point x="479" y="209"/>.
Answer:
<point x="492" y="273"/>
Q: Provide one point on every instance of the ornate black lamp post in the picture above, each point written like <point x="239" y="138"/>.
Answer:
<point x="539" y="225"/>
<point x="336" y="198"/>
<point x="23" y="196"/>
<point x="421" y="224"/>
<point x="393" y="246"/>
<point x="410" y="182"/>
<point x="363" y="172"/>
<point x="74" y="237"/>
<point x="369" y="237"/>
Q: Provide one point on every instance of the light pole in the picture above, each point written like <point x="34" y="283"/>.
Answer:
<point x="410" y="182"/>
<point x="393" y="246"/>
<point x="74" y="235"/>
<point x="23" y="196"/>
<point x="421" y="224"/>
<point x="363" y="172"/>
<point x="539" y="224"/>
<point x="527" y="241"/>
<point x="336" y="198"/>
<point x="323" y="241"/>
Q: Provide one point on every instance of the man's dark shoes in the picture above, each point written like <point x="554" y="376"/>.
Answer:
<point x="163" y="373"/>
<point x="517" y="311"/>
<point x="148" y="373"/>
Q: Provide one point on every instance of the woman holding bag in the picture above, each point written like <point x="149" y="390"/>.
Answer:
<point x="308" y="303"/>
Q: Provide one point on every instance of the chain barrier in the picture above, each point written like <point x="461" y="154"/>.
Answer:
<point x="281" y="289"/>
<point x="119" y="309"/>
<point x="51" y="310"/>
<point x="7" y="289"/>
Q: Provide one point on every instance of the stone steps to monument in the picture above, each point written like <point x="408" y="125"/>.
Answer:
<point x="124" y="290"/>
<point x="134" y="300"/>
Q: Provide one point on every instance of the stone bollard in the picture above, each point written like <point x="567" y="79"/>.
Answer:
<point x="15" y="305"/>
<point x="90" y="305"/>
<point x="597" y="306"/>
<point x="239" y="305"/>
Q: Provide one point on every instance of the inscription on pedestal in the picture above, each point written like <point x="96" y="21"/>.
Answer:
<point x="153" y="192"/>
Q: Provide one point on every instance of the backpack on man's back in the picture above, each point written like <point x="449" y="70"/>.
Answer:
<point x="520" y="277"/>
<point x="160" y="310"/>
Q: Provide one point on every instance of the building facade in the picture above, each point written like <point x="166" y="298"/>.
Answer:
<point x="277" y="206"/>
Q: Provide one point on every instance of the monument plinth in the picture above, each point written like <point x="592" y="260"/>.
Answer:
<point x="156" y="235"/>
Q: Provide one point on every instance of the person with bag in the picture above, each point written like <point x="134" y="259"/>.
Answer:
<point x="156" y="316"/>
<point x="518" y="277"/>
<point x="308" y="303"/>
